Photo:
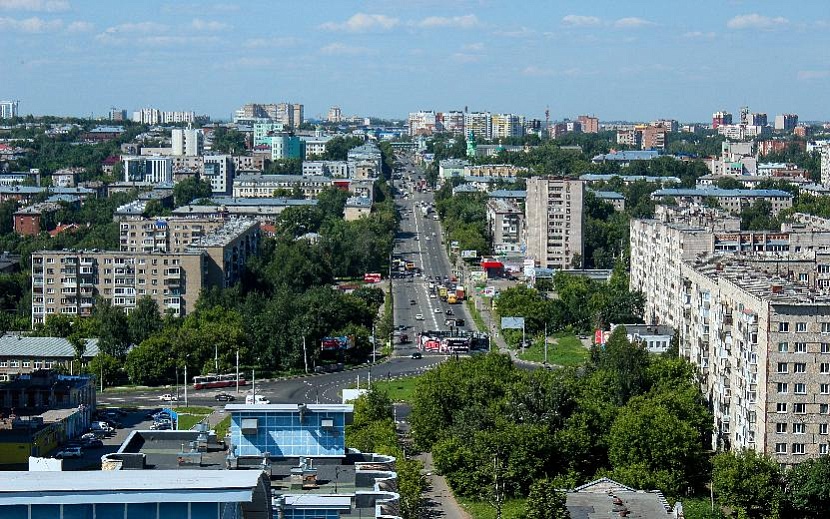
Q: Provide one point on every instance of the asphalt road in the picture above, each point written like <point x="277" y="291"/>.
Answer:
<point x="411" y="244"/>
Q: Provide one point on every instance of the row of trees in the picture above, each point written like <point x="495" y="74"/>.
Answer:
<point x="581" y="304"/>
<point x="636" y="418"/>
<point x="464" y="218"/>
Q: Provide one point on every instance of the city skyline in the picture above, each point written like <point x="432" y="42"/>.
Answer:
<point x="385" y="59"/>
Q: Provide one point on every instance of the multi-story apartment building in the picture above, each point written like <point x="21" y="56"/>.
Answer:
<point x="506" y="125"/>
<point x="189" y="142"/>
<point x="367" y="152"/>
<point x="742" y="131"/>
<point x="762" y="344"/>
<point x="152" y="170"/>
<point x="422" y="123"/>
<point x="494" y="171"/>
<point x="286" y="146"/>
<point x="505" y="223"/>
<point x="453" y="122"/>
<point x="264" y="130"/>
<point x="219" y="171"/>
<point x="8" y="109"/>
<point x="757" y="119"/>
<point x="480" y="124"/>
<point x="720" y="119"/>
<point x="329" y="168"/>
<point x="264" y="186"/>
<point x="671" y="125"/>
<point x="248" y="163"/>
<point x="335" y="115"/>
<point x="654" y="138"/>
<point x="631" y="137"/>
<point x="732" y="200"/>
<point x="589" y="123"/>
<point x="172" y="270"/>
<point x="825" y="165"/>
<point x="554" y="220"/>
<point x="786" y="122"/>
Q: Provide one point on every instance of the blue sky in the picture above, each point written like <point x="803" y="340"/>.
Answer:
<point x="635" y="60"/>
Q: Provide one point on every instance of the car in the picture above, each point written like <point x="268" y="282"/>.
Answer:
<point x="419" y="317"/>
<point x="438" y="311"/>
<point x="460" y="322"/>
<point x="412" y="302"/>
<point x="88" y="436"/>
<point x="417" y="355"/>
<point x="449" y="311"/>
<point x="432" y="296"/>
<point x="93" y="443"/>
<point x="168" y="397"/>
<point x="432" y="286"/>
<point x="69" y="452"/>
<point x="225" y="397"/>
<point x="426" y="238"/>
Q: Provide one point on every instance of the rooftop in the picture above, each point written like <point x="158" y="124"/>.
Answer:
<point x="723" y="193"/>
<point x="508" y="193"/>
<point x="224" y="235"/>
<point x="608" y="195"/>
<point x="648" y="329"/>
<point x="15" y="345"/>
<point x="595" y="177"/>
<point x="628" y="155"/>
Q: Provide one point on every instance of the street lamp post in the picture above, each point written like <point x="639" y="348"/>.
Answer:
<point x="237" y="371"/>
<point x="305" y="356"/>
<point x="185" y="384"/>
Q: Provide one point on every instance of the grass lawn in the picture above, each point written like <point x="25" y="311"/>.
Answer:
<point x="187" y="421"/>
<point x="193" y="410"/>
<point x="223" y="427"/>
<point x="400" y="390"/>
<point x="512" y="509"/>
<point x="471" y="306"/>
<point x="566" y="351"/>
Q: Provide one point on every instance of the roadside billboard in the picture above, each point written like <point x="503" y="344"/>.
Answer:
<point x="489" y="291"/>
<point x="342" y="342"/>
<point x="469" y="254"/>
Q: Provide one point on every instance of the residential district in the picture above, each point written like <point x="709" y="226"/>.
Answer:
<point x="456" y="314"/>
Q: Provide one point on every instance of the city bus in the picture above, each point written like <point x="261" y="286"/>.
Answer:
<point x="211" y="380"/>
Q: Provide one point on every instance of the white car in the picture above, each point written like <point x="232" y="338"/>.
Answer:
<point x="168" y="397"/>
<point x="419" y="317"/>
<point x="69" y="452"/>
<point x="439" y="311"/>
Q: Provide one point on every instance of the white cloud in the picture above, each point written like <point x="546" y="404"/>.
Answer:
<point x="80" y="27"/>
<point x="807" y="75"/>
<point x="756" y="21"/>
<point x="207" y="25"/>
<point x="522" y="32"/>
<point x="279" y="42"/>
<point x="341" y="49"/>
<point x="362" y="22"/>
<point x="140" y="27"/>
<point x="459" y="22"/>
<point x="699" y="35"/>
<point x="575" y="20"/>
<point x="167" y="41"/>
<point x="534" y="71"/>
<point x="49" y="6"/>
<point x="30" y="25"/>
<point x="463" y="57"/>
<point x="632" y="22"/>
<point x="475" y="47"/>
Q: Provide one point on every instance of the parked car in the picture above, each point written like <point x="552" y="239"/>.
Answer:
<point x="460" y="322"/>
<point x="438" y="311"/>
<point x="168" y="397"/>
<point x="225" y="397"/>
<point x="416" y="355"/>
<point x="419" y="317"/>
<point x="93" y="443"/>
<point x="449" y="311"/>
<point x="258" y="399"/>
<point x="69" y="452"/>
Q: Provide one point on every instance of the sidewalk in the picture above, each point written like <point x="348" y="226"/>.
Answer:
<point x="439" y="500"/>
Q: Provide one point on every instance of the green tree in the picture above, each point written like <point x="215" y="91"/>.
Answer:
<point x="545" y="501"/>
<point x="145" y="320"/>
<point x="151" y="363"/>
<point x="107" y="366"/>
<point x="114" y="332"/>
<point x="808" y="488"/>
<point x="191" y="189"/>
<point x="749" y="483"/>
<point x="338" y="147"/>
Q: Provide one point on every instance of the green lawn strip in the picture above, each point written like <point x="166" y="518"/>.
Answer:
<point x="193" y="410"/>
<point x="187" y="421"/>
<point x="401" y="390"/>
<point x="567" y="350"/>
<point x="471" y="305"/>
<point x="511" y="509"/>
<point x="223" y="427"/>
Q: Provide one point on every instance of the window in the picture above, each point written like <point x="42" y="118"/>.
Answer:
<point x="800" y="408"/>
<point x="799" y="428"/>
<point x="781" y="448"/>
<point x="824" y="389"/>
<point x="782" y="387"/>
<point x="822" y="448"/>
<point x="801" y="327"/>
<point x="782" y="367"/>
<point x="822" y="428"/>
<point x="798" y="448"/>
<point x="825" y="347"/>
<point x="27" y="364"/>
<point x="801" y="347"/>
<point x="781" y="407"/>
<point x="800" y="388"/>
<point x="781" y="428"/>
<point x="799" y="367"/>
<point x="824" y="408"/>
<point x="824" y="367"/>
<point x="783" y="347"/>
<point x="825" y="327"/>
<point x="783" y="326"/>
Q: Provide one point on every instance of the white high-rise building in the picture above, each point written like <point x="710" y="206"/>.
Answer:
<point x="151" y="170"/>
<point x="480" y="123"/>
<point x="8" y="109"/>
<point x="335" y="115"/>
<point x="219" y="171"/>
<point x="422" y="123"/>
<point x="189" y="142"/>
<point x="506" y="125"/>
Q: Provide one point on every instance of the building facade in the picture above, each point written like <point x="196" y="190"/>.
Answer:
<point x="189" y="142"/>
<point x="589" y="123"/>
<point x="505" y="223"/>
<point x="218" y="170"/>
<point x="152" y="170"/>
<point x="554" y="220"/>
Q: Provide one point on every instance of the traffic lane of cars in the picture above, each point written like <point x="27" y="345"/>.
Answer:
<point x="90" y="456"/>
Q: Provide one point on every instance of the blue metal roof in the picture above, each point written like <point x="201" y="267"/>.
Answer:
<point x="508" y="193"/>
<point x="608" y="195"/>
<point x="628" y="155"/>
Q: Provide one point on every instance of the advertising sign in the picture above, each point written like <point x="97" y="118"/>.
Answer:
<point x="469" y="254"/>
<point x="489" y="291"/>
<point x="512" y="323"/>
<point x="371" y="277"/>
<point x="336" y="343"/>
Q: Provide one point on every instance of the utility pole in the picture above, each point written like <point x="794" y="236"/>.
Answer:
<point x="305" y="356"/>
<point x="216" y="357"/>
<point x="237" y="371"/>
<point x="185" y="384"/>
<point x="374" y="345"/>
<point x="546" y="343"/>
